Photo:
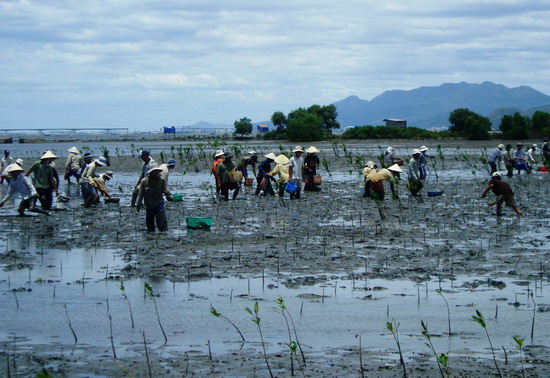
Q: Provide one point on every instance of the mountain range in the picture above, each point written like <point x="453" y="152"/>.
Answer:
<point x="428" y="107"/>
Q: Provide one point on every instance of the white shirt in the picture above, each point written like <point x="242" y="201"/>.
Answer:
<point x="297" y="164"/>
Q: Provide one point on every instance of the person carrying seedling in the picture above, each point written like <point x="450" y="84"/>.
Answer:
<point x="150" y="193"/>
<point x="281" y="169"/>
<point x="504" y="193"/>
<point x="251" y="160"/>
<point x="74" y="161"/>
<point x="376" y="181"/>
<point x="44" y="180"/>
<point x="22" y="185"/>
<point x="296" y="171"/>
<point x="225" y="172"/>
<point x="89" y="190"/>
<point x="415" y="185"/>
<point x="148" y="163"/>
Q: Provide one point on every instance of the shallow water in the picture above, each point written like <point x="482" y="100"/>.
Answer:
<point x="328" y="313"/>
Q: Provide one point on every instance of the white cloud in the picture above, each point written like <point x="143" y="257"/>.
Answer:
<point x="221" y="62"/>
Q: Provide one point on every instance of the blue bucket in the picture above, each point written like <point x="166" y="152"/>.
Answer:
<point x="291" y="187"/>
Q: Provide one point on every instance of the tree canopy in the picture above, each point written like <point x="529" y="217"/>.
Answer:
<point x="469" y="124"/>
<point x="243" y="126"/>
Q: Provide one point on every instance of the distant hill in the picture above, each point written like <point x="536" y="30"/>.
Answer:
<point x="428" y="107"/>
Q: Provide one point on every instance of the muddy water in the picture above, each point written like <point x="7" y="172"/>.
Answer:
<point x="330" y="256"/>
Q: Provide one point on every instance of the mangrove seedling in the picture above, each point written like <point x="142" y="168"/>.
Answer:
<point x="218" y="315"/>
<point x="292" y="345"/>
<point x="148" y="290"/>
<point x="122" y="288"/>
<point x="519" y="346"/>
<point x="534" y="312"/>
<point x="440" y="292"/>
<point x="256" y="319"/>
<point x="393" y="327"/>
<point x="479" y="319"/>
<point x="441" y="360"/>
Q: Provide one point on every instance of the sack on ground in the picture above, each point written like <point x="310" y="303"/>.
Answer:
<point x="317" y="179"/>
<point x="249" y="181"/>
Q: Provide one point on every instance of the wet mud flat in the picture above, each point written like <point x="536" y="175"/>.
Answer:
<point x="330" y="255"/>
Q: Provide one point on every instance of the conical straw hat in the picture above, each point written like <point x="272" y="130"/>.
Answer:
<point x="282" y="159"/>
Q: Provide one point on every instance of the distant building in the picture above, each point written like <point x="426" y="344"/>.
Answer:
<point x="262" y="128"/>
<point x="396" y="122"/>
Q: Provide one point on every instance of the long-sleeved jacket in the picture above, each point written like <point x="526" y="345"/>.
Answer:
<point x="282" y="170"/>
<point x="413" y="169"/>
<point x="73" y="161"/>
<point x="151" y="192"/>
<point x="495" y="155"/>
<point x="22" y="185"/>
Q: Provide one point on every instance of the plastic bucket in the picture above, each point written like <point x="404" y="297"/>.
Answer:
<point x="291" y="187"/>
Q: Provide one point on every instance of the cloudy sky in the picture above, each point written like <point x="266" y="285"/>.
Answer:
<point x="145" y="64"/>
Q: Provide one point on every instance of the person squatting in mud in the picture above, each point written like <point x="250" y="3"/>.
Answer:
<point x="375" y="181"/>
<point x="504" y="194"/>
<point x="150" y="193"/>
<point x="87" y="184"/>
<point x="22" y="185"/>
<point x="44" y="180"/>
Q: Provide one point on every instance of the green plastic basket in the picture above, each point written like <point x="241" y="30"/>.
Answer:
<point x="198" y="223"/>
<point x="177" y="197"/>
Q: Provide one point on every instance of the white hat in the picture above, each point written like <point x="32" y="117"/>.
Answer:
<point x="108" y="174"/>
<point x="19" y="161"/>
<point x="534" y="145"/>
<point x="313" y="150"/>
<point x="252" y="152"/>
<point x="14" y="168"/>
<point x="423" y="148"/>
<point x="153" y="169"/>
<point x="101" y="161"/>
<point x="298" y="149"/>
<point x="416" y="151"/>
<point x="370" y="164"/>
<point x="395" y="168"/>
<point x="496" y="174"/>
<point x="271" y="156"/>
<point x="282" y="159"/>
<point x="501" y="146"/>
<point x="390" y="149"/>
<point x="219" y="153"/>
<point x="73" y="150"/>
<point x="48" y="155"/>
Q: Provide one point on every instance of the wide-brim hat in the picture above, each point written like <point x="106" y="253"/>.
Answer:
<point x="252" y="153"/>
<point x="271" y="156"/>
<point x="153" y="170"/>
<point x="501" y="146"/>
<point x="370" y="164"/>
<point x="73" y="150"/>
<point x="416" y="151"/>
<point x="171" y="162"/>
<point x="48" y="155"/>
<point x="219" y="153"/>
<point x="534" y="145"/>
<point x="496" y="174"/>
<point x="19" y="161"/>
<point x="282" y="159"/>
<point x="312" y="150"/>
<point x="395" y="168"/>
<point x="101" y="161"/>
<point x="423" y="148"/>
<point x="14" y="168"/>
<point x="298" y="149"/>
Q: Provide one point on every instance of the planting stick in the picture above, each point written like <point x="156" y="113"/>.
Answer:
<point x="111" y="330"/>
<point x="70" y="325"/>
<point x="147" y="354"/>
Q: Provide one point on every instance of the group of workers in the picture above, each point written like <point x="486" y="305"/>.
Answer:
<point x="152" y="184"/>
<point x="229" y="176"/>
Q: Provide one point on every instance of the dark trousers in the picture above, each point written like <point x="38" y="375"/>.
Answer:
<point x="226" y="186"/>
<point x="156" y="215"/>
<point x="493" y="167"/>
<point x="45" y="196"/>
